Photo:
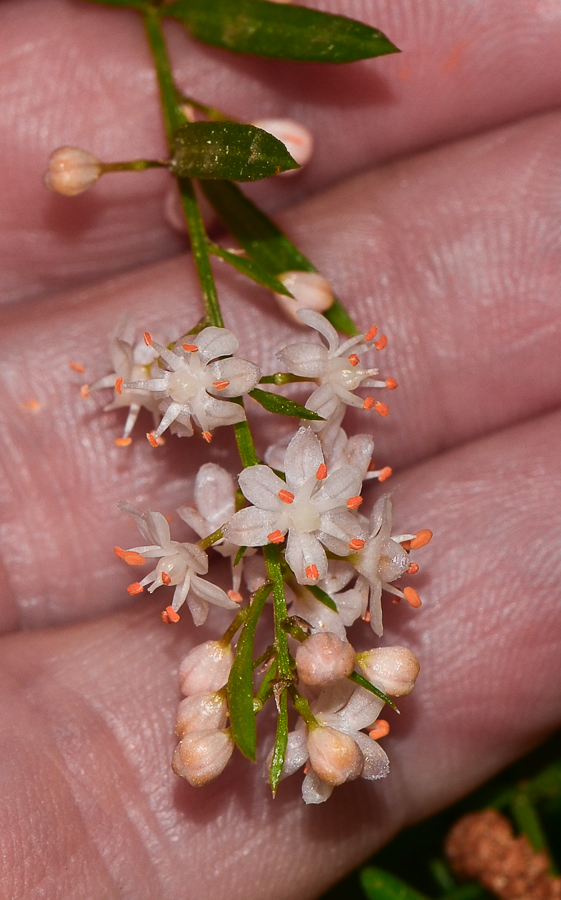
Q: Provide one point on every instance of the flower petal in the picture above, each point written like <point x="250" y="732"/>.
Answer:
<point x="215" y="494"/>
<point x="210" y="592"/>
<point x="302" y="459"/>
<point x="250" y="527"/>
<point x="242" y="375"/>
<point x="376" y="762"/>
<point x="261" y="487"/>
<point x="305" y="360"/>
<point x="320" y="323"/>
<point x="302" y="551"/>
<point x="296" y="753"/>
<point x="213" y="342"/>
<point x="314" y="790"/>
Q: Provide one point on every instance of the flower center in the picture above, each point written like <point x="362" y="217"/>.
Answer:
<point x="341" y="372"/>
<point x="183" y="385"/>
<point x="304" y="516"/>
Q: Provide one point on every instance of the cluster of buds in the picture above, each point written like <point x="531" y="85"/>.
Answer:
<point x="325" y="561"/>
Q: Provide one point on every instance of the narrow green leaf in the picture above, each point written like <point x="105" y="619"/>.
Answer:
<point x="279" y="31"/>
<point x="135" y="4"/>
<point x="363" y="682"/>
<point x="239" y="556"/>
<point x="240" y="682"/>
<point x="380" y="885"/>
<point x="264" y="242"/>
<point x="228" y="150"/>
<point x="283" y="406"/>
<point x="251" y="269"/>
<point x="281" y="742"/>
<point x="322" y="597"/>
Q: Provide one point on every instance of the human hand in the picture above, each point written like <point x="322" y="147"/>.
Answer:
<point x="454" y="252"/>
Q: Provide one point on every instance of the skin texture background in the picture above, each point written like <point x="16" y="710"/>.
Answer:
<point x="432" y="204"/>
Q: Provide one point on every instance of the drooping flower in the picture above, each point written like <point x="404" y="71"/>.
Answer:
<point x="337" y="750"/>
<point x="383" y="559"/>
<point x="198" y="377"/>
<point x="312" y="506"/>
<point x="336" y="371"/>
<point x="179" y="564"/>
<point x="131" y="362"/>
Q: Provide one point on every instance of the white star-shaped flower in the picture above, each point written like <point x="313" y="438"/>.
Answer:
<point x="190" y="391"/>
<point x="179" y="564"/>
<point x="336" y="371"/>
<point x="315" y="508"/>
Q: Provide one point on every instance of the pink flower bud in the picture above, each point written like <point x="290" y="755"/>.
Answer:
<point x="206" y="668"/>
<point x="297" y="139"/>
<point x="200" y="712"/>
<point x="392" y="669"/>
<point x="202" y="755"/>
<point x="72" y="171"/>
<point x="310" y="290"/>
<point x="334" y="756"/>
<point x="324" y="659"/>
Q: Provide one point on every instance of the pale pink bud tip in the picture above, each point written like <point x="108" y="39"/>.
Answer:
<point x="393" y="669"/>
<point x="324" y="659"/>
<point x="334" y="756"/>
<point x="297" y="139"/>
<point x="202" y="756"/>
<point x="199" y="712"/>
<point x="72" y="171"/>
<point x="310" y="290"/>
<point x="206" y="668"/>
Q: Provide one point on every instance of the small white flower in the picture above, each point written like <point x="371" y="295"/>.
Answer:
<point x="131" y="362"/>
<point x="350" y="603"/>
<point x="312" y="506"/>
<point x="381" y="561"/>
<point x="336" y="370"/>
<point x="197" y="378"/>
<point x="179" y="564"/>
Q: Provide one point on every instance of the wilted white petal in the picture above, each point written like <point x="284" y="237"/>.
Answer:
<point x="194" y="519"/>
<point x="319" y="323"/>
<point x="211" y="593"/>
<point x="198" y="608"/>
<point x="250" y="527"/>
<point x="376" y="762"/>
<point x="314" y="790"/>
<point x="360" y="711"/>
<point x="261" y="487"/>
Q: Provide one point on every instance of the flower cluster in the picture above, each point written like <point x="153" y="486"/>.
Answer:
<point x="325" y="563"/>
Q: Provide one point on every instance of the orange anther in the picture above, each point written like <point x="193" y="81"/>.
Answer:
<point x="135" y="588"/>
<point x="166" y="579"/>
<point x="119" y="385"/>
<point x="207" y="436"/>
<point x="366" y="616"/>
<point x="356" y="544"/>
<point x="321" y="472"/>
<point x="123" y="442"/>
<point x="381" y="408"/>
<point x="421" y="539"/>
<point x="396" y="600"/>
<point x="312" y="573"/>
<point x="412" y="597"/>
<point x="220" y="385"/>
<point x="354" y="502"/>
<point x="385" y="473"/>
<point x="370" y="335"/>
<point x="85" y="391"/>
<point x="276" y="537"/>
<point x="379" y="730"/>
<point x="131" y="557"/>
<point x="381" y="343"/>
<point x="147" y="339"/>
<point x="391" y="384"/>
<point x="286" y="496"/>
<point x="77" y="367"/>
<point x="192" y="348"/>
<point x="371" y="466"/>
<point x="152" y="439"/>
<point x="353" y="359"/>
<point x="413" y="569"/>
<point x="368" y="403"/>
<point x="307" y="768"/>
<point x="169" y="615"/>
<point x="235" y="596"/>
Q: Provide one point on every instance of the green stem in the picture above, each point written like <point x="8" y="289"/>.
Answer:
<point x="302" y="707"/>
<point x="274" y="571"/>
<point x="211" y="539"/>
<point x="173" y="119"/>
<point x="230" y="632"/>
<point x="134" y="165"/>
<point x="529" y="824"/>
<point x="210" y="111"/>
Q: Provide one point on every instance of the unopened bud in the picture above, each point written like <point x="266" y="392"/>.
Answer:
<point x="310" y="290"/>
<point x="199" y="712"/>
<point x="297" y="139"/>
<point x="72" y="171"/>
<point x="202" y="756"/>
<point x="334" y="756"/>
<point x="205" y="668"/>
<point x="392" y="669"/>
<point x="324" y="659"/>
